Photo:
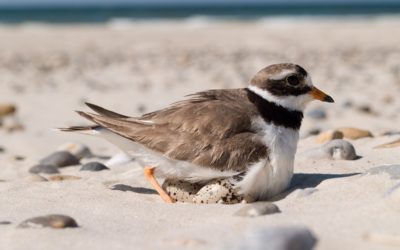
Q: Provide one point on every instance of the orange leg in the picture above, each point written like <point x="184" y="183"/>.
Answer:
<point x="148" y="173"/>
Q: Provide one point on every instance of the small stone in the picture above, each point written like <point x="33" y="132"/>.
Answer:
<point x="317" y="114"/>
<point x="276" y="238"/>
<point x="63" y="178"/>
<point x="334" y="150"/>
<point x="4" y="222"/>
<point x="390" y="133"/>
<point x="258" y="209"/>
<point x="80" y="151"/>
<point x="56" y="221"/>
<point x="354" y="133"/>
<point x="7" y="109"/>
<point x="393" y="144"/>
<point x="340" y="150"/>
<point x="93" y="166"/>
<point x="19" y="158"/>
<point x="347" y="104"/>
<point x="36" y="178"/>
<point x="2" y="150"/>
<point x="392" y="170"/>
<point x="60" y="159"/>
<point x="329" y="136"/>
<point x="43" y="168"/>
<point x="365" y="109"/>
<point x="314" y="131"/>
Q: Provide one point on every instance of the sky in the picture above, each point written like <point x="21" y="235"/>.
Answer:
<point x="108" y="2"/>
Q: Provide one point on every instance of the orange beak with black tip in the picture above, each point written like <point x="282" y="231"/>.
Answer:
<point x="319" y="95"/>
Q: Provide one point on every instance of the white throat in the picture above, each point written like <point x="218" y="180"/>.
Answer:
<point x="296" y="103"/>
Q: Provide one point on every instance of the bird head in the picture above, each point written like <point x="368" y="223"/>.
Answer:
<point x="288" y="85"/>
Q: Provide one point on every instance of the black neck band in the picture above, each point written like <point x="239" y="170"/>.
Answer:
<point x="274" y="113"/>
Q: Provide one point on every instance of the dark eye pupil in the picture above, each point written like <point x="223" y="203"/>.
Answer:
<point x="293" y="80"/>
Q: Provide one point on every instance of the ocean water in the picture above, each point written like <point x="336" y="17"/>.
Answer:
<point x="100" y="14"/>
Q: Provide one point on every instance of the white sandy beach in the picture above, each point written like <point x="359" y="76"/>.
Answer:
<point x="50" y="71"/>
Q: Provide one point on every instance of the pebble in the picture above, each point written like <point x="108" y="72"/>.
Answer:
<point x="392" y="170"/>
<point x="390" y="133"/>
<point x="317" y="114"/>
<point x="365" y="109"/>
<point x="4" y="222"/>
<point x="80" y="151"/>
<point x="2" y="150"/>
<point x="334" y="150"/>
<point x="53" y="220"/>
<point x="276" y="238"/>
<point x="392" y="144"/>
<point x="44" y="168"/>
<point x="36" y="178"/>
<point x="7" y="109"/>
<point x="60" y="159"/>
<point x="93" y="166"/>
<point x="355" y="133"/>
<point x="329" y="136"/>
<point x="63" y="178"/>
<point x="258" y="209"/>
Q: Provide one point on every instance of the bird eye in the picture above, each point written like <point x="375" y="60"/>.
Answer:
<point x="293" y="80"/>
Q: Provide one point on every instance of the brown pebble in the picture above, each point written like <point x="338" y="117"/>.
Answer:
<point x="329" y="136"/>
<point x="56" y="221"/>
<point x="63" y="178"/>
<point x="7" y="109"/>
<point x="355" y="133"/>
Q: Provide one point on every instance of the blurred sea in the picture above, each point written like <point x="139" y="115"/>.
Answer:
<point x="102" y="13"/>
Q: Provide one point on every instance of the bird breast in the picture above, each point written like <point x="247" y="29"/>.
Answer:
<point x="272" y="175"/>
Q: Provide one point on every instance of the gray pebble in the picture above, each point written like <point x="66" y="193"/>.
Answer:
<point x="257" y="209"/>
<point x="52" y="220"/>
<point x="4" y="222"/>
<point x="93" y="166"/>
<point x="2" y="150"/>
<point x="340" y="150"/>
<point x="392" y="170"/>
<point x="317" y="114"/>
<point x="80" y="151"/>
<point x="43" y="168"/>
<point x="277" y="238"/>
<point x="390" y="133"/>
<point x="337" y="149"/>
<point x="365" y="109"/>
<point x="60" y="159"/>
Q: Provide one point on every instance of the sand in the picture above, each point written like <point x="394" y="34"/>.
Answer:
<point x="50" y="71"/>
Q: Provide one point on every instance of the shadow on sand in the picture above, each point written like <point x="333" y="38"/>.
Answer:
<point x="302" y="181"/>
<point x="139" y="190"/>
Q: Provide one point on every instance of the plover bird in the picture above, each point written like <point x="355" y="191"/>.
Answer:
<point x="247" y="135"/>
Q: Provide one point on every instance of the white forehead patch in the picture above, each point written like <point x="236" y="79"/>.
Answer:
<point x="282" y="74"/>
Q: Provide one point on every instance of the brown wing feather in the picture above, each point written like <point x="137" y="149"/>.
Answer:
<point x="208" y="130"/>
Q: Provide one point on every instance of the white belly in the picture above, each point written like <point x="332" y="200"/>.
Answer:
<point x="270" y="177"/>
